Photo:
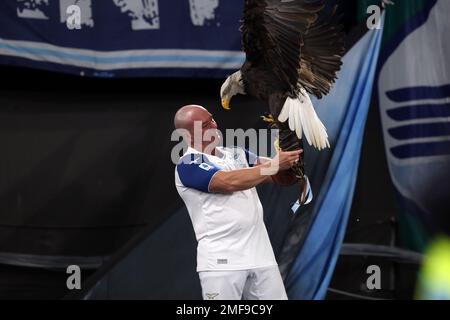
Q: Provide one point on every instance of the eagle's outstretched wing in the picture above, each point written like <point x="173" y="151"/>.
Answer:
<point x="293" y="42"/>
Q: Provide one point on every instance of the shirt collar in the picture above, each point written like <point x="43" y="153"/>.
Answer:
<point x="220" y="154"/>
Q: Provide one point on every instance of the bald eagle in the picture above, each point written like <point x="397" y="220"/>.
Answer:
<point x="293" y="49"/>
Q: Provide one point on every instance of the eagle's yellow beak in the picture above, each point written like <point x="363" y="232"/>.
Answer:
<point x="226" y="104"/>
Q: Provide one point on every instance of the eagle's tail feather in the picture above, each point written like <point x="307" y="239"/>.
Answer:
<point x="302" y="117"/>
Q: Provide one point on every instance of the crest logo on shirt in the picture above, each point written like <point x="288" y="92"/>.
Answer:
<point x="205" y="166"/>
<point x="211" y="296"/>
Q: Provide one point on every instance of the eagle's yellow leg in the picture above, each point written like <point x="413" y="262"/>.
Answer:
<point x="276" y="144"/>
<point x="268" y="119"/>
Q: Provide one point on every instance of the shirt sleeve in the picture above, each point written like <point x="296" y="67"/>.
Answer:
<point x="251" y="158"/>
<point x="196" y="172"/>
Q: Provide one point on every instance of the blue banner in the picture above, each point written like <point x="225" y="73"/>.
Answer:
<point x="344" y="113"/>
<point x="123" y="38"/>
<point x="414" y="103"/>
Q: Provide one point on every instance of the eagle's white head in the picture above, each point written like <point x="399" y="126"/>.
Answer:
<point x="231" y="87"/>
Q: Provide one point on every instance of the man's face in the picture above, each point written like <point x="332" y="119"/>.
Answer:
<point x="206" y="126"/>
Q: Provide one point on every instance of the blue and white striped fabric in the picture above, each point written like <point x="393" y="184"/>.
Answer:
<point x="344" y="113"/>
<point x="123" y="38"/>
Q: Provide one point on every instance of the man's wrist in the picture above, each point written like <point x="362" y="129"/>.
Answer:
<point x="268" y="168"/>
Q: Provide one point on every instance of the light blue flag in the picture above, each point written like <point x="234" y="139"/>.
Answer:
<point x="344" y="113"/>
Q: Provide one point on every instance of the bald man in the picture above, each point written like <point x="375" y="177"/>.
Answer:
<point x="235" y="259"/>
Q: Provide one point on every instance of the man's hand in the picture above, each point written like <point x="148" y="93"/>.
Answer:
<point x="286" y="159"/>
<point x="282" y="161"/>
<point x="285" y="176"/>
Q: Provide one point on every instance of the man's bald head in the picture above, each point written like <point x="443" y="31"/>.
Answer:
<point x="187" y="115"/>
<point x="197" y="126"/>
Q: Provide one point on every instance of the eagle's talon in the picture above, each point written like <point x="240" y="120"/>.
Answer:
<point x="269" y="118"/>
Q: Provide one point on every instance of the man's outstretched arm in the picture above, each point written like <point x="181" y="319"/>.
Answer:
<point x="243" y="179"/>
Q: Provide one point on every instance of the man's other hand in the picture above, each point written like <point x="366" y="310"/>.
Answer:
<point x="286" y="159"/>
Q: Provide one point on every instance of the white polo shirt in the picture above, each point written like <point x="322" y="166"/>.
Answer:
<point x="229" y="228"/>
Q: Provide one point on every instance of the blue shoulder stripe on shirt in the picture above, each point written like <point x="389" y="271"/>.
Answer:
<point x="196" y="171"/>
